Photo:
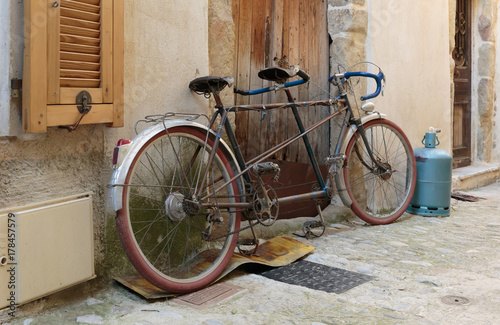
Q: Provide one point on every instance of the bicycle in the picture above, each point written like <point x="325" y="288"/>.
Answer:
<point x="181" y="192"/>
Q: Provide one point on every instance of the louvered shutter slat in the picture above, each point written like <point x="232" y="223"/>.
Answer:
<point x="77" y="48"/>
<point x="78" y="14"/>
<point x="80" y="41"/>
<point x="91" y="2"/>
<point x="70" y="56"/>
<point x="80" y="5"/>
<point x="80" y="65"/>
<point x="66" y="21"/>
<point x="78" y="31"/>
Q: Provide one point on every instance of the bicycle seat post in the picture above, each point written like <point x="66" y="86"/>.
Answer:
<point x="218" y="101"/>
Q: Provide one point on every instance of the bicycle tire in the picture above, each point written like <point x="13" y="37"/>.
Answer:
<point x="160" y="235"/>
<point x="380" y="197"/>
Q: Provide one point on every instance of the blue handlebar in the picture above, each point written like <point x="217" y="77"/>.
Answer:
<point x="377" y="77"/>
<point x="265" y="90"/>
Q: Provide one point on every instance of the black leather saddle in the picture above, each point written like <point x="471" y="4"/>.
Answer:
<point x="277" y="74"/>
<point x="207" y="85"/>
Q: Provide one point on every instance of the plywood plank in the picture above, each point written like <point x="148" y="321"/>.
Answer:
<point x="35" y="68"/>
<point x="53" y="55"/>
<point x="68" y="95"/>
<point x="244" y="55"/>
<point x="293" y="55"/>
<point x="277" y="130"/>
<point x="257" y="62"/>
<point x="118" y="63"/>
<point x="107" y="50"/>
<point x="267" y="129"/>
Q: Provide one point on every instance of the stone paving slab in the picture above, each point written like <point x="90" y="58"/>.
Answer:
<point x="417" y="264"/>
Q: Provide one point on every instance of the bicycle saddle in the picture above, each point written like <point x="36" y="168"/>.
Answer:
<point x="277" y="74"/>
<point x="207" y="85"/>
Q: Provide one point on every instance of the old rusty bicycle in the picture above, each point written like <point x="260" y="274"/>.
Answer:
<point x="182" y="194"/>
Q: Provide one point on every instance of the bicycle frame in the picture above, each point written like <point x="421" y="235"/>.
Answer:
<point x="325" y="187"/>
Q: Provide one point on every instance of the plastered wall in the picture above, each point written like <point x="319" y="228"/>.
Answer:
<point x="4" y="67"/>
<point x="166" y="46"/>
<point x="410" y="41"/>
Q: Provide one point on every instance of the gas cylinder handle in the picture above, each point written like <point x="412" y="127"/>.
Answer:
<point x="437" y="139"/>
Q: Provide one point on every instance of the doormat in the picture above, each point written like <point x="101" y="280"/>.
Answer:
<point x="276" y="252"/>
<point x="317" y="276"/>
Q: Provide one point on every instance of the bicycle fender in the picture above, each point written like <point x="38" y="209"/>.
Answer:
<point x="120" y="172"/>
<point x="339" y="177"/>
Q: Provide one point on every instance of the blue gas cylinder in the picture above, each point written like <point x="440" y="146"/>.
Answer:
<point x="432" y="195"/>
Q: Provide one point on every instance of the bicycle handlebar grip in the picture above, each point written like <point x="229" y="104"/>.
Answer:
<point x="303" y="75"/>
<point x="240" y="91"/>
<point x="377" y="77"/>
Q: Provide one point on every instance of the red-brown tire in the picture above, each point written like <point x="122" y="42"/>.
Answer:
<point x="380" y="195"/>
<point x="159" y="227"/>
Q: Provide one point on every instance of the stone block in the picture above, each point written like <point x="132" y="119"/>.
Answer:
<point x="486" y="60"/>
<point x="341" y="3"/>
<point x="347" y="20"/>
<point x="484" y="27"/>
<point x="347" y="50"/>
<point x="485" y="93"/>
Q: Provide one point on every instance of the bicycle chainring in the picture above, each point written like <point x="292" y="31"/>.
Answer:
<point x="266" y="212"/>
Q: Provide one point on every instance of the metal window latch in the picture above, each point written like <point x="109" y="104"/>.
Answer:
<point x="83" y="101"/>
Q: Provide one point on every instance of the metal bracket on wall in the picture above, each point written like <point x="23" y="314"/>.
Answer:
<point x="16" y="85"/>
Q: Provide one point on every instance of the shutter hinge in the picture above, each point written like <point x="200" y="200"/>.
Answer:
<point x="16" y="85"/>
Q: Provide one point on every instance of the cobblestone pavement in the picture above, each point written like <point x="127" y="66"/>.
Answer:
<point x="426" y="271"/>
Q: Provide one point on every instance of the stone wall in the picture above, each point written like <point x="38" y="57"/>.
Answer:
<point x="348" y="27"/>
<point x="221" y="47"/>
<point x="484" y="23"/>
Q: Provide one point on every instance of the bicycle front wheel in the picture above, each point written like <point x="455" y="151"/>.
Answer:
<point x="169" y="234"/>
<point x="380" y="191"/>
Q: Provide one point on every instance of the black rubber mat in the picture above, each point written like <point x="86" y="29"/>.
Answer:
<point x="317" y="276"/>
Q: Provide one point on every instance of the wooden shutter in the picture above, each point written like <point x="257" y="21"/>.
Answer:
<point x="71" y="46"/>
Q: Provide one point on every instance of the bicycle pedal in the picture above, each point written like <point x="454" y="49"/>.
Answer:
<point x="308" y="231"/>
<point x="252" y="246"/>
<point x="266" y="168"/>
<point x="335" y="159"/>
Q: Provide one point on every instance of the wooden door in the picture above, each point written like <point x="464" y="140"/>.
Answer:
<point x="297" y="29"/>
<point x="462" y="79"/>
<point x="266" y="29"/>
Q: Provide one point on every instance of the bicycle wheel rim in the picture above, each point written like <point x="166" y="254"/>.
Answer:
<point x="380" y="197"/>
<point x="182" y="261"/>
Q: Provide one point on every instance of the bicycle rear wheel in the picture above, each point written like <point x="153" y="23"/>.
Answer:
<point x="380" y="195"/>
<point x="161" y="227"/>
